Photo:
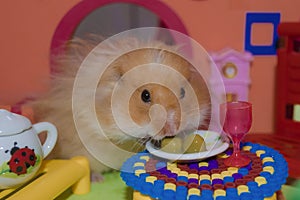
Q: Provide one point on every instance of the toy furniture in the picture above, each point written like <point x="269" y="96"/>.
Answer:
<point x="155" y="178"/>
<point x="288" y="79"/>
<point x="54" y="177"/>
<point x="234" y="67"/>
<point x="286" y="137"/>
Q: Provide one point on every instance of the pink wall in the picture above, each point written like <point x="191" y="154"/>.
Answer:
<point x="28" y="27"/>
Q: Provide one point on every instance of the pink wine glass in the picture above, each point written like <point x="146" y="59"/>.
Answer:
<point x="236" y="118"/>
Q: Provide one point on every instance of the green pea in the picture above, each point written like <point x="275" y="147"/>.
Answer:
<point x="193" y="143"/>
<point x="171" y="145"/>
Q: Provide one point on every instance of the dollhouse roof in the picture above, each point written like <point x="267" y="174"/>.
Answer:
<point x="228" y="52"/>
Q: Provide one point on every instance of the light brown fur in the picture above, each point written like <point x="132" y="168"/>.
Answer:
<point x="56" y="105"/>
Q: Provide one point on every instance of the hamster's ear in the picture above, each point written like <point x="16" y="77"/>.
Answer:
<point x="110" y="77"/>
<point x="116" y="70"/>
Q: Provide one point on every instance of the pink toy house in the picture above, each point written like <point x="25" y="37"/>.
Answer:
<point x="234" y="68"/>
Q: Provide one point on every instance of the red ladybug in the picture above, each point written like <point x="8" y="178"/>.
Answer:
<point x="21" y="159"/>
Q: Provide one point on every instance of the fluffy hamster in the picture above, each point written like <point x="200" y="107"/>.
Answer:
<point x="56" y="105"/>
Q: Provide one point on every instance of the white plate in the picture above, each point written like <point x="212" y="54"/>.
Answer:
<point x="214" y="145"/>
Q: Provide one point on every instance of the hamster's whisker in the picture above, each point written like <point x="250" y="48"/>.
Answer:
<point x="143" y="140"/>
<point x="140" y="141"/>
<point x="120" y="140"/>
<point x="196" y="111"/>
<point x="135" y="146"/>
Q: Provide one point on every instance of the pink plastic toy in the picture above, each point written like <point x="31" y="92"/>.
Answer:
<point x="234" y="67"/>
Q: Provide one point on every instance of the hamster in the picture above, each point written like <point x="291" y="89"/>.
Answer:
<point x="146" y="104"/>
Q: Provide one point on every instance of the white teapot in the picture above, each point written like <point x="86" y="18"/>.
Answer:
<point x="21" y="152"/>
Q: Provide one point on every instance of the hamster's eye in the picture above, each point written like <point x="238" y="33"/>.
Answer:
<point x="182" y="93"/>
<point x="146" y="96"/>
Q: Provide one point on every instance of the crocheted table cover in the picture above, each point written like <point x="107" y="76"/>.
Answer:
<point x="208" y="179"/>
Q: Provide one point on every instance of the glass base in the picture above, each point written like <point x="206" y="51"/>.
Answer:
<point x="237" y="161"/>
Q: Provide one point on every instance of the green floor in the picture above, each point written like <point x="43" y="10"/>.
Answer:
<point x="113" y="188"/>
<point x="292" y="192"/>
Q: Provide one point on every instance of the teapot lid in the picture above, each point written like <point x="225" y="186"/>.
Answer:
<point x="11" y="123"/>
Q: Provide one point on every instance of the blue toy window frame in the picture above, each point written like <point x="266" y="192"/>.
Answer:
<point x="272" y="18"/>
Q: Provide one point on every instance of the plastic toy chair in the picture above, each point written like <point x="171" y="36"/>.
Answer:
<point x="286" y="137"/>
<point x="54" y="177"/>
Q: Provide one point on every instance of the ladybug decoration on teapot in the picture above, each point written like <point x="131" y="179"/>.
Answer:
<point x="21" y="159"/>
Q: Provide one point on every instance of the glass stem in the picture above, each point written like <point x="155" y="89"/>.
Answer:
<point x="236" y="146"/>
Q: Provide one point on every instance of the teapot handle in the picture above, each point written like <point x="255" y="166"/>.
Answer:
<point x="51" y="136"/>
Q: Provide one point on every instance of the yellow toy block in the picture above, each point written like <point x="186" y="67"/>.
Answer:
<point x="53" y="178"/>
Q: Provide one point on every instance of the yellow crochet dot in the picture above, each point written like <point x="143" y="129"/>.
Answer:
<point x="171" y="166"/>
<point x="195" y="176"/>
<point x="139" y="164"/>
<point x="269" y="169"/>
<point x="170" y="186"/>
<point x="139" y="171"/>
<point x="219" y="192"/>
<point x="139" y="196"/>
<point x="183" y="173"/>
<point x="233" y="169"/>
<point x="203" y="164"/>
<point x="259" y="152"/>
<point x="226" y="173"/>
<point x="242" y="188"/>
<point x="193" y="191"/>
<point x="247" y="148"/>
<point x="273" y="197"/>
<point x="216" y="176"/>
<point x="204" y="177"/>
<point x="145" y="158"/>
<point x="151" y="179"/>
<point x="260" y="180"/>
<point x="267" y="159"/>
<point x="175" y="170"/>
<point x="223" y="155"/>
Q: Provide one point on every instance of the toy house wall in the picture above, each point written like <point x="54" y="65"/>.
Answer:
<point x="28" y="27"/>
